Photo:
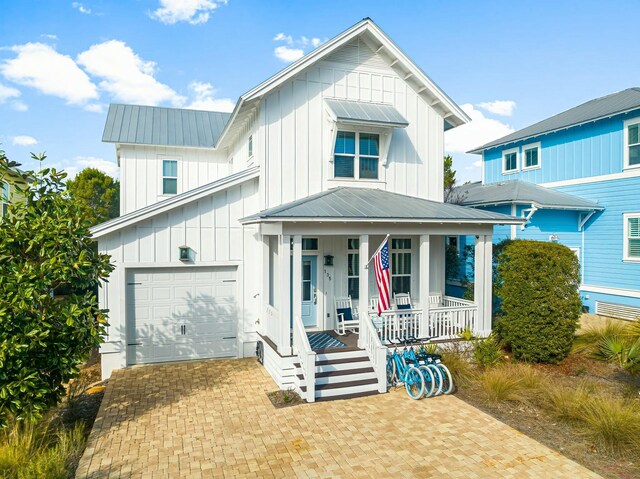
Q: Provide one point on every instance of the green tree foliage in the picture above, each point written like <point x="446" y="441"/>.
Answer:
<point x="540" y="305"/>
<point x="45" y="247"/>
<point x="449" y="179"/>
<point x="97" y="193"/>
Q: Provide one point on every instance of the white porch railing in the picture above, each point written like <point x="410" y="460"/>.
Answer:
<point x="448" y="318"/>
<point x="376" y="351"/>
<point x="306" y="356"/>
<point x="270" y="322"/>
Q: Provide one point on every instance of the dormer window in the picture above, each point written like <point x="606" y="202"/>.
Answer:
<point x="510" y="161"/>
<point x="169" y="177"/>
<point x="356" y="155"/>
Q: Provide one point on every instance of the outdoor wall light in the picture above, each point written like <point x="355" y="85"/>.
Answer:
<point x="328" y="260"/>
<point x="554" y="238"/>
<point x="185" y="253"/>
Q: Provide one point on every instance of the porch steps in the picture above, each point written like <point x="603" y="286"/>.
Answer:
<point x="341" y="375"/>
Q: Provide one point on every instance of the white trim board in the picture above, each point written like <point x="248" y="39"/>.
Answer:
<point x="632" y="173"/>
<point x="613" y="291"/>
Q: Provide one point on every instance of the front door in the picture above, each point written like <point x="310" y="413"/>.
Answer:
<point x="309" y="291"/>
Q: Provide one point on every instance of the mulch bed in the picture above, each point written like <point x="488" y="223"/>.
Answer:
<point x="287" y="398"/>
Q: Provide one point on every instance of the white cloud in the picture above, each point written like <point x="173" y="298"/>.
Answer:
<point x="24" y="140"/>
<point x="19" y="106"/>
<point x="294" y="49"/>
<point x="499" y="107"/>
<point x="79" y="163"/>
<point x="476" y="133"/>
<point x="288" y="54"/>
<point x="49" y="36"/>
<point x="95" y="107"/>
<point x="204" y="98"/>
<point x="191" y="11"/>
<point x="41" y="67"/>
<point x="7" y="92"/>
<point x="81" y="8"/>
<point x="125" y="75"/>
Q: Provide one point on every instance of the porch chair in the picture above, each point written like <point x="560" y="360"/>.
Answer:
<point x="346" y="316"/>
<point x="402" y="300"/>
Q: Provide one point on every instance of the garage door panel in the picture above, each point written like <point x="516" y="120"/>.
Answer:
<point x="182" y="313"/>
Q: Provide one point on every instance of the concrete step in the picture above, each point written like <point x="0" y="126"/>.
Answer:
<point x="342" y="376"/>
<point x="352" y="353"/>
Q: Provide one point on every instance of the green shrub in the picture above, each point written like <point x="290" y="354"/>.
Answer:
<point x="540" y="304"/>
<point x="588" y="339"/>
<point x="612" y="424"/>
<point x="487" y="352"/>
<point x="500" y="384"/>
<point x="456" y="359"/>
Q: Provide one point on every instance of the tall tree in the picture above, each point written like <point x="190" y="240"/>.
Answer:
<point x="452" y="193"/>
<point x="97" y="194"/>
<point x="45" y="247"/>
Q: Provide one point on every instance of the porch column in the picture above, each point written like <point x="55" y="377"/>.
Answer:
<point x="488" y="284"/>
<point x="363" y="281"/>
<point x="297" y="278"/>
<point x="424" y="279"/>
<point x="482" y="284"/>
<point x="264" y="291"/>
<point x="284" y="257"/>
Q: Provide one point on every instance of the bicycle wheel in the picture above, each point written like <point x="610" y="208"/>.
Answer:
<point x="414" y="383"/>
<point x="429" y="380"/>
<point x="392" y="377"/>
<point x="437" y="376"/>
<point x="447" y="380"/>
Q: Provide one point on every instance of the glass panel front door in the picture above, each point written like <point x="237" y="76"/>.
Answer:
<point x="309" y="291"/>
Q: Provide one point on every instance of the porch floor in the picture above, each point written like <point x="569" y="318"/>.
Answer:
<point x="350" y="339"/>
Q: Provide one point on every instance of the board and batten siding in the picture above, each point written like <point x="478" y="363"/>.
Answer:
<point x="582" y="151"/>
<point x="141" y="172"/>
<point x="295" y="129"/>
<point x="210" y="227"/>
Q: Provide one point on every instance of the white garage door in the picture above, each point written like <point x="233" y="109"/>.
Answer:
<point x="181" y="313"/>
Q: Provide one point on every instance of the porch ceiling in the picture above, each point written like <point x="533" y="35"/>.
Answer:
<point x="371" y="205"/>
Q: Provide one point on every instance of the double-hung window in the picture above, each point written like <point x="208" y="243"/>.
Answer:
<point x="356" y="155"/>
<point x="353" y="267"/>
<point x="169" y="177"/>
<point x="632" y="142"/>
<point x="400" y="265"/>
<point x="4" y="198"/>
<point x="632" y="236"/>
<point x="510" y="161"/>
<point x="531" y="156"/>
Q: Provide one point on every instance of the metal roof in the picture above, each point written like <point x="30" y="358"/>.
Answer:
<point x="366" y="112"/>
<point x="522" y="192"/>
<point x="602" y="107"/>
<point x="153" y="125"/>
<point x="365" y="204"/>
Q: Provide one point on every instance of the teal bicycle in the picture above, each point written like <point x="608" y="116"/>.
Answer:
<point x="398" y="371"/>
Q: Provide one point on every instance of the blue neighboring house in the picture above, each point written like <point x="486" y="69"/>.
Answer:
<point x="576" y="178"/>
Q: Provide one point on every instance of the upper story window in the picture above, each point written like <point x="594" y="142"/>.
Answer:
<point x="4" y="198"/>
<point x="356" y="155"/>
<point x="531" y="156"/>
<point x="510" y="161"/>
<point x="632" y="143"/>
<point x="632" y="236"/>
<point x="401" y="265"/>
<point x="250" y="147"/>
<point x="169" y="177"/>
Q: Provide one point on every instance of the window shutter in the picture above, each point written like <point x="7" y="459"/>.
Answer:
<point x="634" y="237"/>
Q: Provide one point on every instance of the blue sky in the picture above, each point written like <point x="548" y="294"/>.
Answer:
<point x="507" y="63"/>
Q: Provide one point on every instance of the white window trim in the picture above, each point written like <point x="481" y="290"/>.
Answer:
<point x="402" y="250"/>
<point x="506" y="152"/>
<point x="625" y="133"/>
<point x="162" y="177"/>
<point x="625" y="257"/>
<point x="356" y="156"/>
<point x="356" y="252"/>
<point x="457" y="241"/>
<point x="531" y="146"/>
<point x="250" y="147"/>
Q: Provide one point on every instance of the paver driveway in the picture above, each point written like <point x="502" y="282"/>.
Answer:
<point x="213" y="419"/>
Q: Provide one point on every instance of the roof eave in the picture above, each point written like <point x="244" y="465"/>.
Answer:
<point x="508" y="220"/>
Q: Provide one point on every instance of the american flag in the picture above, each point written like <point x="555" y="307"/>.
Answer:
<point x="383" y="277"/>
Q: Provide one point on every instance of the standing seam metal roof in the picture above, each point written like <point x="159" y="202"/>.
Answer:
<point x="602" y="107"/>
<point x="153" y="125"/>
<point x="365" y="204"/>
<point x="359" y="111"/>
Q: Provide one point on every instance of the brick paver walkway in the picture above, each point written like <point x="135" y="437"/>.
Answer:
<point x="212" y="419"/>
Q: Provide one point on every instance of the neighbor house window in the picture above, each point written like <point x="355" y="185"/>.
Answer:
<point x="356" y="155"/>
<point x="632" y="142"/>
<point x="250" y="146"/>
<point x="400" y="265"/>
<point x="509" y="161"/>
<point x="632" y="236"/>
<point x="531" y="155"/>
<point x="169" y="177"/>
<point x="4" y="198"/>
<point x="353" y="267"/>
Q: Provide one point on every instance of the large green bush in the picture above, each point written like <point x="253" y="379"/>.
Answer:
<point x="45" y="248"/>
<point x="540" y="304"/>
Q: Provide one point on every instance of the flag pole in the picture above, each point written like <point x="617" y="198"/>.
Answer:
<point x="366" y="266"/>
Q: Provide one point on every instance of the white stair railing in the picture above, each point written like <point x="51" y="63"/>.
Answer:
<point x="376" y="351"/>
<point x="306" y="356"/>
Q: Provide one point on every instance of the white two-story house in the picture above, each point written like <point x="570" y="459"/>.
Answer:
<point x="243" y="229"/>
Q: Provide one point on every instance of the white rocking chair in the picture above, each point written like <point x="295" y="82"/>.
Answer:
<point x="346" y="316"/>
<point x="402" y="300"/>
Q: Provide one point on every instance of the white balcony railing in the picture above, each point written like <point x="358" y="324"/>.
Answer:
<point x="376" y="351"/>
<point x="306" y="356"/>
<point x="269" y="324"/>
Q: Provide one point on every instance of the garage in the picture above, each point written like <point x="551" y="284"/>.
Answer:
<point x="181" y="313"/>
